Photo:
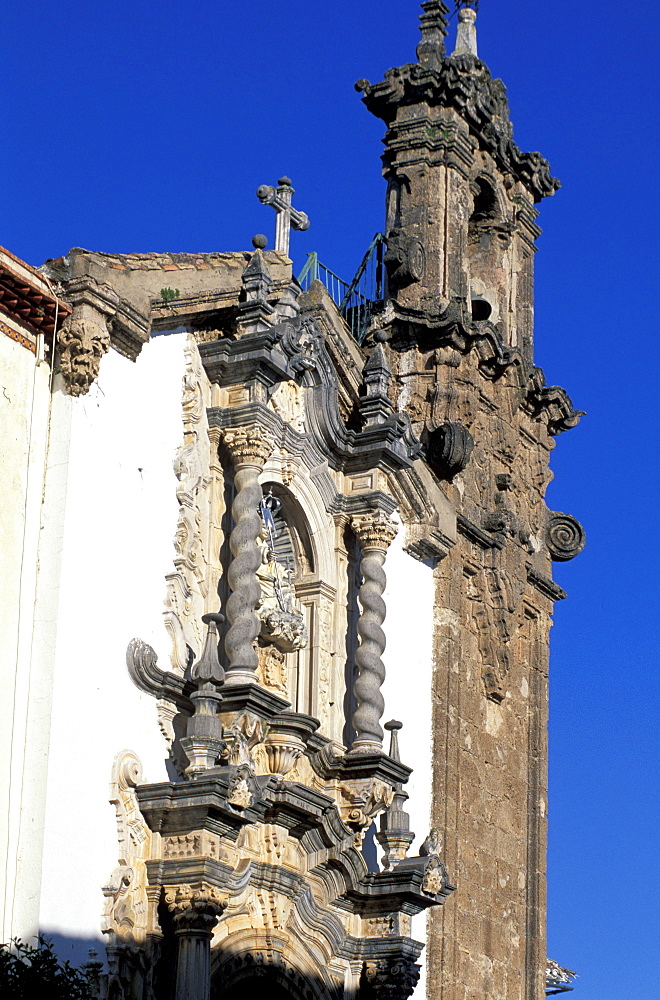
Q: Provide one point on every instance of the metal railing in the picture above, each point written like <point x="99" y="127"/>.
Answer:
<point x="357" y="301"/>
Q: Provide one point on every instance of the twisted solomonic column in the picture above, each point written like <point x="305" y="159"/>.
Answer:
<point x="374" y="532"/>
<point x="249" y="448"/>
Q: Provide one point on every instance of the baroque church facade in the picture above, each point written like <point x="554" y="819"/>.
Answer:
<point x="325" y="520"/>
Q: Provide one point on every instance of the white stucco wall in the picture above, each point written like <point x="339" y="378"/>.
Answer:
<point x="408" y="627"/>
<point x="117" y="546"/>
<point x="24" y="405"/>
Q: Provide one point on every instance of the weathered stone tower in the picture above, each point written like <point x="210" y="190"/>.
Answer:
<point x="458" y="327"/>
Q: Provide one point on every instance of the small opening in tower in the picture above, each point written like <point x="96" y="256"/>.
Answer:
<point x="485" y="203"/>
<point x="481" y="309"/>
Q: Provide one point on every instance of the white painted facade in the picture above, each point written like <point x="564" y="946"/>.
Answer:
<point x="107" y="524"/>
<point x="408" y="660"/>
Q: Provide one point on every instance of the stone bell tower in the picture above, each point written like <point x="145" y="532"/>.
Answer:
<point x="457" y="330"/>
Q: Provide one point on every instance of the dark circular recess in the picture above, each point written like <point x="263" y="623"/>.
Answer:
<point x="481" y="310"/>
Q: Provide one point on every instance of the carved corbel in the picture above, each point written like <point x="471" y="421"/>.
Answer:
<point x="82" y="341"/>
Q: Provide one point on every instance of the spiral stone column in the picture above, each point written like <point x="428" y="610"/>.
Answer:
<point x="249" y="447"/>
<point x="195" y="910"/>
<point x="374" y="532"/>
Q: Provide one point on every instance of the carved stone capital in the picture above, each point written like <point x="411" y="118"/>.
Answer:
<point x="249" y="445"/>
<point x="194" y="907"/>
<point x="82" y="340"/>
<point x="565" y="536"/>
<point x="374" y="530"/>
<point x="389" y="978"/>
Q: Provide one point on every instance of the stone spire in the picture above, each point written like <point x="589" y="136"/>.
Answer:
<point x="466" y="36"/>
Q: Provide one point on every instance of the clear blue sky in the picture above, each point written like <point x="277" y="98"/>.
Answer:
<point x="148" y="126"/>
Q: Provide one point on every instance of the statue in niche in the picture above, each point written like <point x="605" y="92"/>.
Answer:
<point x="282" y="623"/>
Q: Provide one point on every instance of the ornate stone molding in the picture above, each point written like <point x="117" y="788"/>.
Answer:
<point x="195" y="578"/>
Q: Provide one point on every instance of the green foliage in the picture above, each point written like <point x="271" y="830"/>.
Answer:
<point x="169" y="294"/>
<point x="28" y="973"/>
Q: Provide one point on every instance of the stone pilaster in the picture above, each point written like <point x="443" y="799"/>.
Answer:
<point x="249" y="447"/>
<point x="195" y="910"/>
<point x="374" y="532"/>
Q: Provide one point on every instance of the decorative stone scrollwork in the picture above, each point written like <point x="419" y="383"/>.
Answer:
<point x="449" y="449"/>
<point x="389" y="978"/>
<point x="374" y="531"/>
<point x="565" y="537"/>
<point x="361" y="801"/>
<point x="249" y="448"/>
<point x="83" y="340"/>
<point x="126" y="910"/>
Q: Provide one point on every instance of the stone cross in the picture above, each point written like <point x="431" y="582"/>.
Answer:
<point x="288" y="217"/>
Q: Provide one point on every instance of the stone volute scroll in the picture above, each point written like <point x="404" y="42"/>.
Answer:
<point x="565" y="536"/>
<point x="249" y="448"/>
<point x="374" y="531"/>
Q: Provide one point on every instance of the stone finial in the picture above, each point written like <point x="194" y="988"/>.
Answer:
<point x="466" y="36"/>
<point x="395" y="836"/>
<point x="433" y="23"/>
<point x="255" y="312"/>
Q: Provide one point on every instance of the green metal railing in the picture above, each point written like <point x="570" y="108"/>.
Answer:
<point x="358" y="300"/>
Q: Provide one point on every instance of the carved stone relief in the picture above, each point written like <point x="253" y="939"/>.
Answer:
<point x="83" y="340"/>
<point x="194" y="582"/>
<point x="126" y="910"/>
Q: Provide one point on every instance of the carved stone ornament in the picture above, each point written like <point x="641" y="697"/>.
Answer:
<point x="249" y="445"/>
<point x="389" y="978"/>
<point x="126" y="909"/>
<point x="449" y="449"/>
<point x="362" y="800"/>
<point x="374" y="530"/>
<point x="240" y="793"/>
<point x="195" y="577"/>
<point x="196" y="906"/>
<point x="83" y="340"/>
<point x="405" y="259"/>
<point x="565" y="537"/>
